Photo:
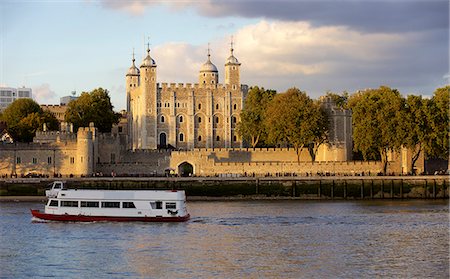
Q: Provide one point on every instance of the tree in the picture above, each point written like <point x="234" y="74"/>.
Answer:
<point x="417" y="129"/>
<point x="294" y="118"/>
<point x="251" y="127"/>
<point x="24" y="117"/>
<point x="377" y="116"/>
<point x="94" y="106"/>
<point x="438" y="115"/>
<point x="341" y="101"/>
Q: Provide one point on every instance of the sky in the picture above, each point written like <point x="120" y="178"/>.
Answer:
<point x="56" y="47"/>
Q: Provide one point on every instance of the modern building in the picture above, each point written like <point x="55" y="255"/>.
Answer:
<point x="66" y="99"/>
<point x="9" y="95"/>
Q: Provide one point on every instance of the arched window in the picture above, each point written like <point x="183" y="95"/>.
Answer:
<point x="235" y="106"/>
<point x="217" y="106"/>
<point x="199" y="106"/>
<point x="180" y="119"/>
<point x="216" y="119"/>
<point x="181" y="137"/>
<point x="162" y="119"/>
<point x="199" y="119"/>
<point x="217" y="138"/>
<point x="233" y="119"/>
<point x="199" y="138"/>
<point x="234" y="138"/>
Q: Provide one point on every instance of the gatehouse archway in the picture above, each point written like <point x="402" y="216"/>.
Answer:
<point x="185" y="169"/>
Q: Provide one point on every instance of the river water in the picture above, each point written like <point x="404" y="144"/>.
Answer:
<point x="237" y="239"/>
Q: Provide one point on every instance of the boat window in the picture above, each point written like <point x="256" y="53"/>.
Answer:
<point x="111" y="204"/>
<point x="128" y="205"/>
<point x="53" y="203"/>
<point x="156" y="205"/>
<point x="171" y="205"/>
<point x="90" y="204"/>
<point x="69" y="203"/>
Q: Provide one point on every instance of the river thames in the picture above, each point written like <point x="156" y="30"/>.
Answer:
<point x="237" y="239"/>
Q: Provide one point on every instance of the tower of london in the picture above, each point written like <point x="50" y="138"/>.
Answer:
<point x="184" y="116"/>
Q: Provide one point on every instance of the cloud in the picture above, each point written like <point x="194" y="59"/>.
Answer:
<point x="281" y="54"/>
<point x="44" y="95"/>
<point x="363" y="15"/>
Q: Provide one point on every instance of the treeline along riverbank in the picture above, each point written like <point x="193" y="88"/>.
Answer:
<point x="388" y="187"/>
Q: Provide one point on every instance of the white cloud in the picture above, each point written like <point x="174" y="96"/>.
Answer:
<point x="279" y="55"/>
<point x="44" y="95"/>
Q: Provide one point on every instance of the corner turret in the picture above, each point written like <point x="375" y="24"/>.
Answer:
<point x="208" y="72"/>
<point x="232" y="75"/>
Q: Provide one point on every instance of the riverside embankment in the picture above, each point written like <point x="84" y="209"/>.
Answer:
<point x="228" y="188"/>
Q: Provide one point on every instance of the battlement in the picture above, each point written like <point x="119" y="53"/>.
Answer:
<point x="175" y="86"/>
<point x="54" y="136"/>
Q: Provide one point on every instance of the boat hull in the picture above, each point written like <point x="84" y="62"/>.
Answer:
<point x="84" y="218"/>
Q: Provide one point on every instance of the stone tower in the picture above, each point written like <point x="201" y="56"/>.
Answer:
<point x="209" y="75"/>
<point x="85" y="152"/>
<point x="232" y="65"/>
<point x="132" y="82"/>
<point x="146" y="103"/>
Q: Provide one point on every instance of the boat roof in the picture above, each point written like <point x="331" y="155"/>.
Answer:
<point x="122" y="194"/>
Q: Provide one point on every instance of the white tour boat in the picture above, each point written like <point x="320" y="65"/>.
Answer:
<point x="113" y="205"/>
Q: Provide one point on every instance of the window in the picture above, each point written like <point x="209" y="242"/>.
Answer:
<point x="128" y="205"/>
<point x="234" y="138"/>
<point x="34" y="160"/>
<point x="199" y="138"/>
<point x="90" y="204"/>
<point x="171" y="205"/>
<point x="217" y="138"/>
<point x="49" y="160"/>
<point x="69" y="203"/>
<point x="53" y="203"/>
<point x="233" y="119"/>
<point x="72" y="160"/>
<point x="156" y="205"/>
<point x="216" y="119"/>
<point x="120" y="129"/>
<point x="234" y="106"/>
<point x="199" y="106"/>
<point x="18" y="160"/>
<point x="111" y="204"/>
<point x="162" y="119"/>
<point x="217" y="106"/>
<point x="199" y="119"/>
<point x="181" y="118"/>
<point x="181" y="137"/>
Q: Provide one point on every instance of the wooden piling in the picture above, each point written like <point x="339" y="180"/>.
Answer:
<point x="392" y="188"/>
<point x="401" y="188"/>
<point x="362" y="189"/>
<point x="319" y="194"/>
<point x="345" y="189"/>
<point x="434" y="188"/>
<point x="371" y="188"/>
<point x="332" y="190"/>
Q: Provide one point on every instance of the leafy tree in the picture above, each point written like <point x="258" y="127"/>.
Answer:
<point x="94" y="106"/>
<point x="24" y="117"/>
<point x="377" y="116"/>
<point x="251" y="127"/>
<point x="294" y="118"/>
<point x="417" y="129"/>
<point x="438" y="115"/>
<point x="341" y="100"/>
